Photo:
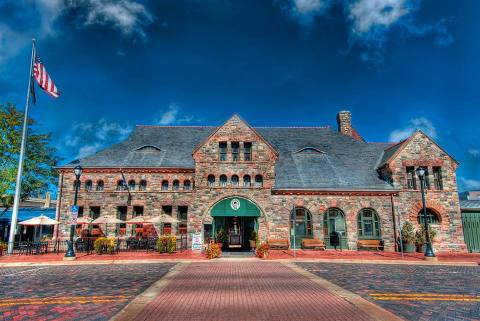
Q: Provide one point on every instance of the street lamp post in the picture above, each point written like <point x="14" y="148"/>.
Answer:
<point x="428" y="248"/>
<point x="70" y="251"/>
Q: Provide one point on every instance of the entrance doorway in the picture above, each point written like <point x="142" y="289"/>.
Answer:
<point x="234" y="221"/>
<point x="234" y="232"/>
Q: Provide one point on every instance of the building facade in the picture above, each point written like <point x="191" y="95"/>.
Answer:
<point x="279" y="182"/>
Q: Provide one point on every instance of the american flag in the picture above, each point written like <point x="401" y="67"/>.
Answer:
<point x="43" y="79"/>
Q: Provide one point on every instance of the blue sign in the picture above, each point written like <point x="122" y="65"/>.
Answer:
<point x="74" y="212"/>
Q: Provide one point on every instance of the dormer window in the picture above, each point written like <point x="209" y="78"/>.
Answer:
<point x="235" y="151"/>
<point x="222" y="147"/>
<point x="247" y="151"/>
<point x="148" y="148"/>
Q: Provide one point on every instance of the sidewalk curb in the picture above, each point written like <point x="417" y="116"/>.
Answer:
<point x="152" y="261"/>
<point x="132" y="309"/>
<point x="373" y="310"/>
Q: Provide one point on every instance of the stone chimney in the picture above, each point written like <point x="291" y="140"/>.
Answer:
<point x="344" y="120"/>
<point x="47" y="200"/>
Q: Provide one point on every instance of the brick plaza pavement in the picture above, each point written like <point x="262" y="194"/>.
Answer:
<point x="247" y="291"/>
<point x="79" y="292"/>
<point x="414" y="292"/>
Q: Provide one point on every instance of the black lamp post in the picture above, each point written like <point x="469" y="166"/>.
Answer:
<point x="70" y="251"/>
<point x="428" y="249"/>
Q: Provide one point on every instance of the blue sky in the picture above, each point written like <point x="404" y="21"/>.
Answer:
<point x="397" y="65"/>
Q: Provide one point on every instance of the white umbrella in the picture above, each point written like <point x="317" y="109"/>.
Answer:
<point x="84" y="220"/>
<point x="39" y="220"/>
<point x="107" y="219"/>
<point x="139" y="220"/>
<point x="163" y="218"/>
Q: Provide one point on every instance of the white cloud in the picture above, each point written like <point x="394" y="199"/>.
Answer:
<point x="421" y="123"/>
<point x="369" y="14"/>
<point x="125" y="15"/>
<point x="475" y="153"/>
<point x="171" y="116"/>
<point x="305" y="10"/>
<point x="470" y="184"/>
<point x="129" y="17"/>
<point x="88" y="150"/>
<point x="85" y="138"/>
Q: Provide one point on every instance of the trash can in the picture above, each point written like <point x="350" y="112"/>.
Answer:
<point x="335" y="239"/>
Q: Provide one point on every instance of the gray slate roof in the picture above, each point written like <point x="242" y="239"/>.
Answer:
<point x="470" y="205"/>
<point x="342" y="163"/>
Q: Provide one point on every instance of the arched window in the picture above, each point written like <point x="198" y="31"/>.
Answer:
<point x="234" y="180"/>
<point x="88" y="185"/>
<point x="223" y="180"/>
<point x="176" y="185"/>
<point x="100" y="185"/>
<point x="143" y="185"/>
<point x="300" y="226"/>
<point x="368" y="224"/>
<point x="432" y="217"/>
<point x="258" y="181"/>
<point x="121" y="185"/>
<point x="247" y="181"/>
<point x="211" y="181"/>
<point x="187" y="185"/>
<point x="334" y="221"/>
<point x="164" y="185"/>
<point x="131" y="185"/>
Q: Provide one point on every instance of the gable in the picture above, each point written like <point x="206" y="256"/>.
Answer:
<point x="418" y="148"/>
<point x="235" y="129"/>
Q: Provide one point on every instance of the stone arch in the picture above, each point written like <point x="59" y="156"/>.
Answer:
<point x="432" y="206"/>
<point x="263" y="221"/>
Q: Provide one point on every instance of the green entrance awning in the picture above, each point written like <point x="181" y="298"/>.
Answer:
<point x="235" y="206"/>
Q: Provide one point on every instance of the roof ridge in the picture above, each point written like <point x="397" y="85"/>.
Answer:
<point x="395" y="144"/>
<point x="213" y="126"/>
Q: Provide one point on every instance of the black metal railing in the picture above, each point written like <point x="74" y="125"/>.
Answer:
<point x="87" y="245"/>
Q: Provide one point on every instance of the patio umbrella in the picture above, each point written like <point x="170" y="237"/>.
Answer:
<point x="139" y="220"/>
<point x="84" y="220"/>
<point x="164" y="218"/>
<point x="107" y="219"/>
<point x="40" y="221"/>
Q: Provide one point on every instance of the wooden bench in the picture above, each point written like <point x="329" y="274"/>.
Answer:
<point x="313" y="244"/>
<point x="278" y="244"/>
<point x="370" y="244"/>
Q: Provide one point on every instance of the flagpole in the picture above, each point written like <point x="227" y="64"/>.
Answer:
<point x="18" y="186"/>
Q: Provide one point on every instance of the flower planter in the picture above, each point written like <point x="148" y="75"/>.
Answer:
<point x="409" y="248"/>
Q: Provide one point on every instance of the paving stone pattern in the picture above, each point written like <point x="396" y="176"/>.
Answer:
<point x="246" y="291"/>
<point x="86" y="281"/>
<point x="365" y="279"/>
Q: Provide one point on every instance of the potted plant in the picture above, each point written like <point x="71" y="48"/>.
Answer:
<point x="253" y="240"/>
<point x="222" y="238"/>
<point x="213" y="250"/>
<point x="408" y="237"/>
<point x="262" y="250"/>
<point x="420" y="237"/>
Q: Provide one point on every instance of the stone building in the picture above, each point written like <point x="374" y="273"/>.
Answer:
<point x="240" y="178"/>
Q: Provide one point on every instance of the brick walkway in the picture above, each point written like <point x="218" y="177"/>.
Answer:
<point x="246" y="291"/>
<point x="412" y="292"/>
<point x="83" y="292"/>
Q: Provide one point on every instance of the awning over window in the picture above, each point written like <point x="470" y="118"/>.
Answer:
<point x="235" y="206"/>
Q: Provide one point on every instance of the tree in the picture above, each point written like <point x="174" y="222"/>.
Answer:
<point x="39" y="161"/>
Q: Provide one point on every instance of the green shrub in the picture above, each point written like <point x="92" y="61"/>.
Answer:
<point x="420" y="234"/>
<point x="408" y="233"/>
<point x="167" y="244"/>
<point x="105" y="245"/>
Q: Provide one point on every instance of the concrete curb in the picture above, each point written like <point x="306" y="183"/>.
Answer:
<point x="135" y="306"/>
<point x="374" y="311"/>
<point x="152" y="261"/>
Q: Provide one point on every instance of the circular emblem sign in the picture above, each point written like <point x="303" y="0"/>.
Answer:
<point x="235" y="204"/>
